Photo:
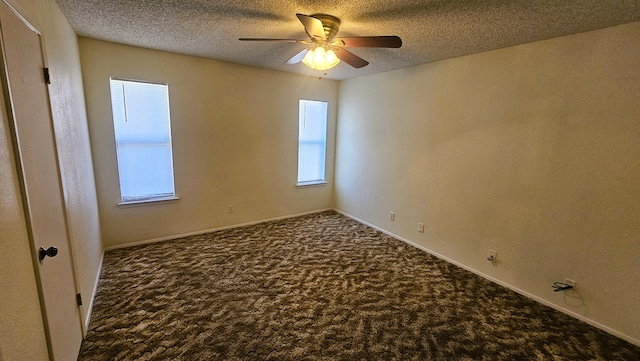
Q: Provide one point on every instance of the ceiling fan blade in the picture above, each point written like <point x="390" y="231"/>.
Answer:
<point x="312" y="26"/>
<point x="280" y="40"/>
<point x="298" y="57"/>
<point x="350" y="58"/>
<point x="369" y="42"/>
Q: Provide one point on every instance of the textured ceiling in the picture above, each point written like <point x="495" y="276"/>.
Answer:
<point x="431" y="30"/>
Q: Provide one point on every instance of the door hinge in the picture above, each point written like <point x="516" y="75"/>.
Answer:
<point x="79" y="299"/>
<point x="47" y="77"/>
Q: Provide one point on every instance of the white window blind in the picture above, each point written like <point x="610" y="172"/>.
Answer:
<point x="143" y="140"/>
<point x="312" y="142"/>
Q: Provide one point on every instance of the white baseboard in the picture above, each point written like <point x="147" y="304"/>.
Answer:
<point x="196" y="233"/>
<point x="501" y="283"/>
<point x="87" y="320"/>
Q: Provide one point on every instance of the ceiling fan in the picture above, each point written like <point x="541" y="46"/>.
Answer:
<point x="325" y="50"/>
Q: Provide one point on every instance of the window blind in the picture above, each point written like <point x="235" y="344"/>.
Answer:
<point x="143" y="139"/>
<point x="312" y="138"/>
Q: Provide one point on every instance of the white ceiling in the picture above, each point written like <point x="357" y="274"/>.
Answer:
<point x="431" y="30"/>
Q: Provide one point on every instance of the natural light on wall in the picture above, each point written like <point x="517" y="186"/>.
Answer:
<point x="143" y="140"/>
<point x="312" y="142"/>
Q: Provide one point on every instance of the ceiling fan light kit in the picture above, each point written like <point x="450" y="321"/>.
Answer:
<point x="321" y="58"/>
<point x="326" y="51"/>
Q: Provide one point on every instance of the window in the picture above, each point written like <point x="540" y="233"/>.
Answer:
<point x="143" y="140"/>
<point x="312" y="142"/>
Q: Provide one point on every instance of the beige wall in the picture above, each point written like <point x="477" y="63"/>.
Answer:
<point x="532" y="151"/>
<point x="234" y="132"/>
<point x="21" y="329"/>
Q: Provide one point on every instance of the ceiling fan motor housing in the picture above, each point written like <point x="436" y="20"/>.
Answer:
<point x="330" y="23"/>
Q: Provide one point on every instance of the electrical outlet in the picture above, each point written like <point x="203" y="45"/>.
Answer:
<point x="230" y="209"/>
<point x="570" y="282"/>
<point x="492" y="256"/>
<point x="392" y="216"/>
<point x="421" y="227"/>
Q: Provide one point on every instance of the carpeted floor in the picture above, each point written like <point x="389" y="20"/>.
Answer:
<point x="319" y="287"/>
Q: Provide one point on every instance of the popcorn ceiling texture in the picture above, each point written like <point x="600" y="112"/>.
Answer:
<point x="431" y="30"/>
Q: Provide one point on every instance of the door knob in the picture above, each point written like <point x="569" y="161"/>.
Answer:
<point x="51" y="252"/>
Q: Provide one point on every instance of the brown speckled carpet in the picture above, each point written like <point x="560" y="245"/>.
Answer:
<point x="319" y="287"/>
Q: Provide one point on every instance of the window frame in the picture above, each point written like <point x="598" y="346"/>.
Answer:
<point x="151" y="199"/>
<point x="323" y="180"/>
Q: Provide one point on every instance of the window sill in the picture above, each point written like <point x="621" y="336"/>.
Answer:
<point x="311" y="184"/>
<point x="146" y="202"/>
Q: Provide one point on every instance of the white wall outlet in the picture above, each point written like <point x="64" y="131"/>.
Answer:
<point x="492" y="256"/>
<point x="230" y="208"/>
<point x="421" y="227"/>
<point x="570" y="282"/>
<point x="392" y="216"/>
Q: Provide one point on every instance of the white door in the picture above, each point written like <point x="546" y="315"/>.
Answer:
<point x="28" y="106"/>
